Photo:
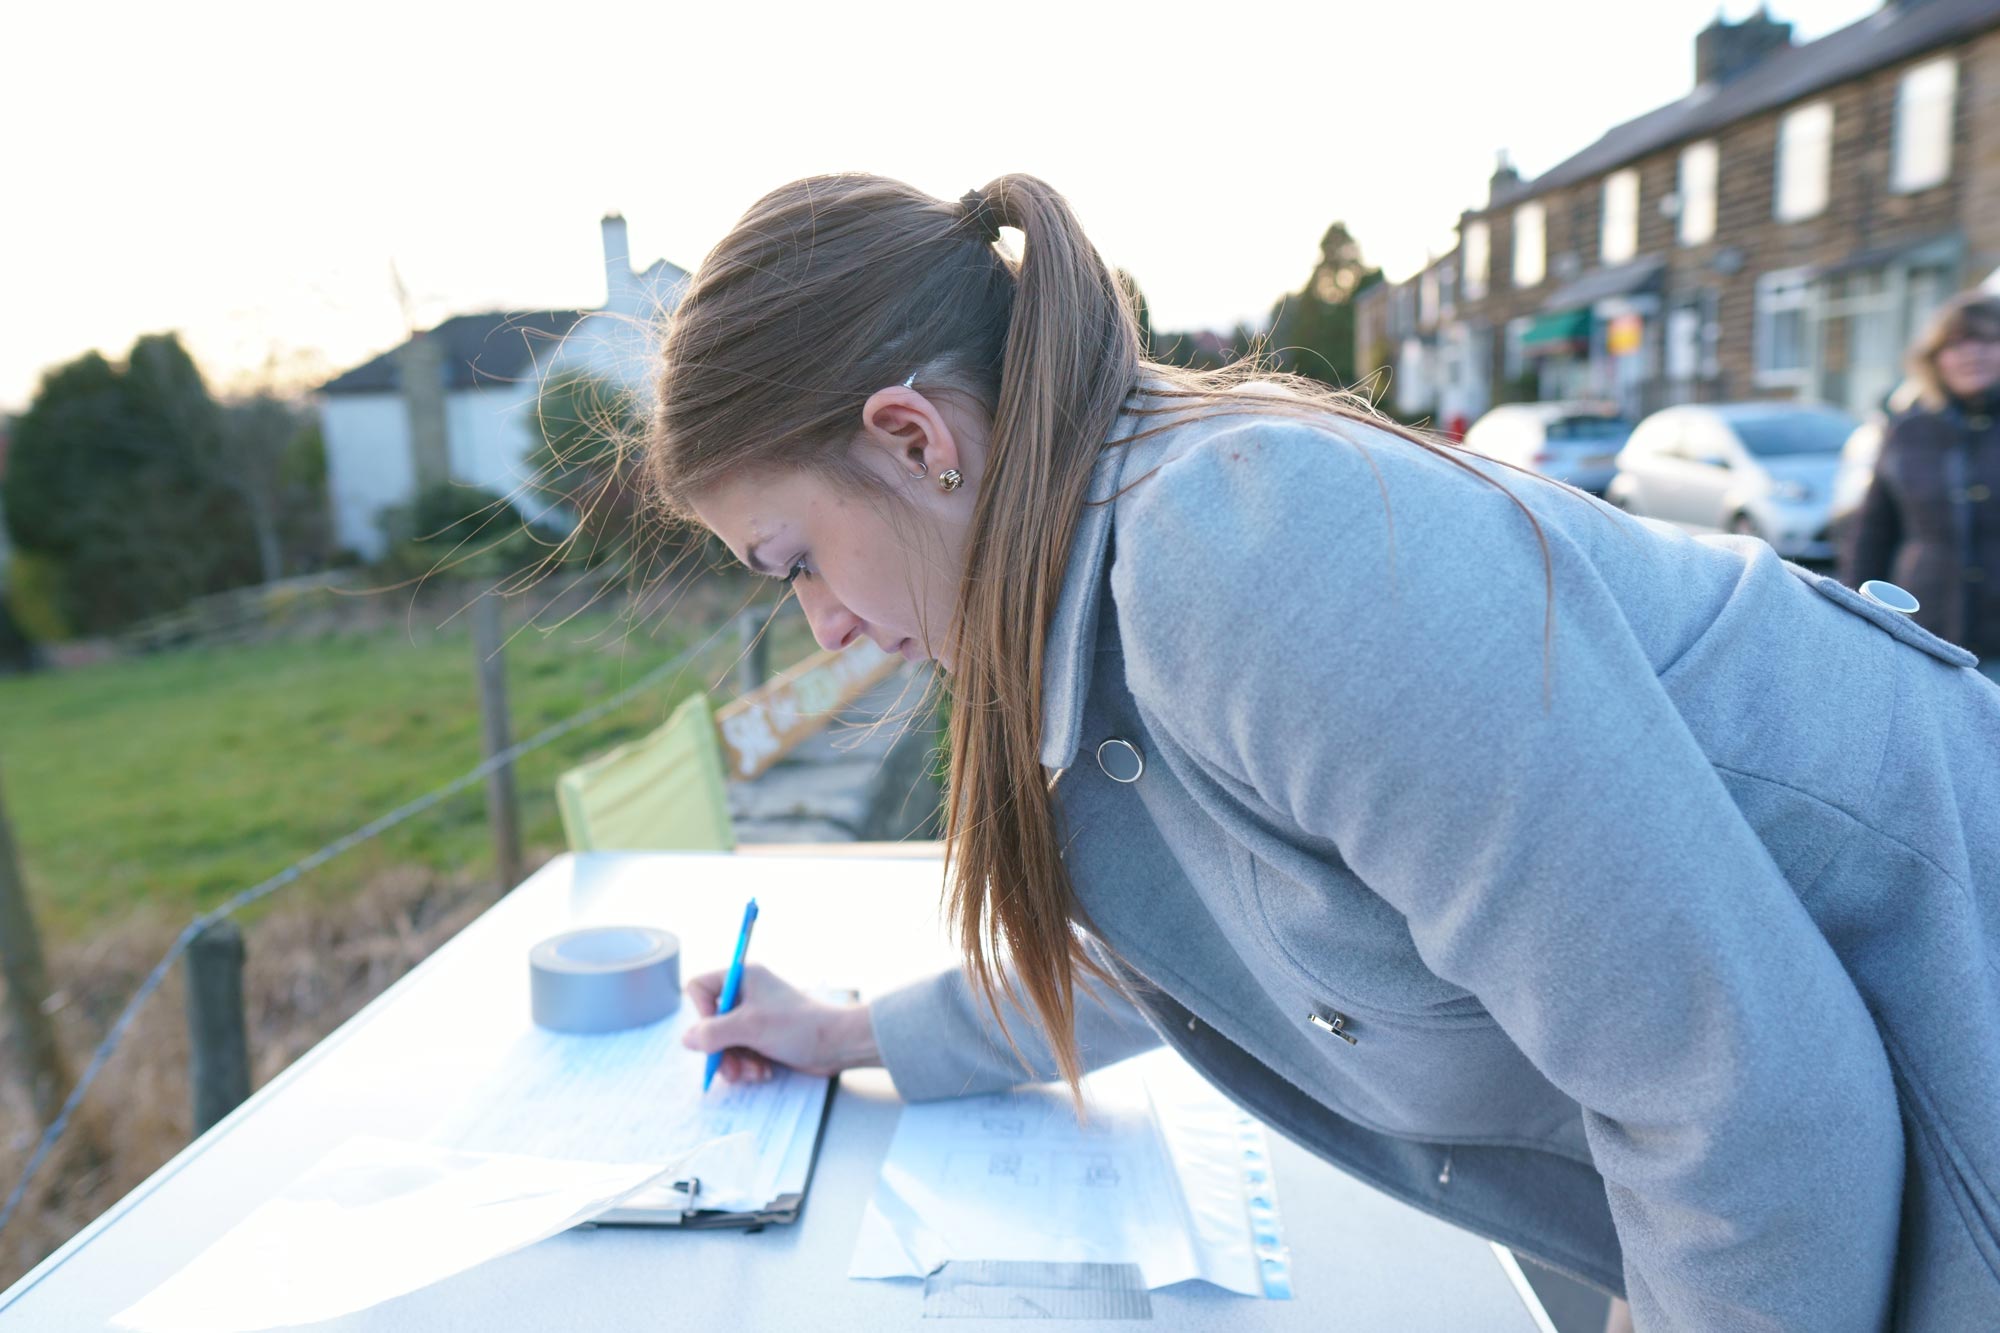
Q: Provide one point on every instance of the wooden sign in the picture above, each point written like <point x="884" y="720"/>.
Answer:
<point x="768" y="723"/>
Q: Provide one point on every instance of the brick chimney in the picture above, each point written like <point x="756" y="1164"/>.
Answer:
<point x="1723" y="49"/>
<point x="617" y="260"/>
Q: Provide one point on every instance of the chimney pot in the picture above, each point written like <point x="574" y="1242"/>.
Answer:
<point x="617" y="260"/>
<point x="1723" y="49"/>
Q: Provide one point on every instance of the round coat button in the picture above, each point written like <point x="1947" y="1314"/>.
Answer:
<point x="1888" y="594"/>
<point x="1120" y="760"/>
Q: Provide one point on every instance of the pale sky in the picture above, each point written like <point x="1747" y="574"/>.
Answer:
<point x="247" y="174"/>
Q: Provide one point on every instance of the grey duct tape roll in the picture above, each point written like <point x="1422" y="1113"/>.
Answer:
<point x="605" y="978"/>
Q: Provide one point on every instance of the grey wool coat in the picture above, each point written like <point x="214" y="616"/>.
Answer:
<point x="1659" y="918"/>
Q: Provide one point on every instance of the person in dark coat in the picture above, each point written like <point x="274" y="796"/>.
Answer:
<point x="1931" y="520"/>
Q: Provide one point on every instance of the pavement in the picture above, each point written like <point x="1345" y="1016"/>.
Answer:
<point x="868" y="776"/>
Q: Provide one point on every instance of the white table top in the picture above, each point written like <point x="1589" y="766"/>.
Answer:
<point x="1361" y="1261"/>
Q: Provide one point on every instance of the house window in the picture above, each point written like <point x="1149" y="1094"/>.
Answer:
<point x="1805" y="144"/>
<point x="1697" y="191"/>
<point x="1923" y="125"/>
<point x="1783" y="332"/>
<point x="1618" y="238"/>
<point x="1531" y="253"/>
<point x="1514" y="353"/>
<point x="1476" y="253"/>
<point x="1691" y="338"/>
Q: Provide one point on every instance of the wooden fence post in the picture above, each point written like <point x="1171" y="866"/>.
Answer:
<point x="219" y="1049"/>
<point x="753" y="660"/>
<point x="496" y="734"/>
<point x="42" y="1064"/>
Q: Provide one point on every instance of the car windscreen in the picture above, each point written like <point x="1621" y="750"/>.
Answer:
<point x="1793" y="433"/>
<point x="1589" y="429"/>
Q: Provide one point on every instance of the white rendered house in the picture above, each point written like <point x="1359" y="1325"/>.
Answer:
<point x="456" y="402"/>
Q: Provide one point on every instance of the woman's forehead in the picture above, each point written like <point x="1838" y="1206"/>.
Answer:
<point x="749" y="512"/>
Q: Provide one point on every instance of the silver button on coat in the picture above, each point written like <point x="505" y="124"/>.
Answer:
<point x="1120" y="760"/>
<point x="1889" y="595"/>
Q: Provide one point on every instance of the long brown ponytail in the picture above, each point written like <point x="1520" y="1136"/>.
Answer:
<point x="1072" y="358"/>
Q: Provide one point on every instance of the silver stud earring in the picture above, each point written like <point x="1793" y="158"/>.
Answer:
<point x="921" y="469"/>
<point x="950" y="479"/>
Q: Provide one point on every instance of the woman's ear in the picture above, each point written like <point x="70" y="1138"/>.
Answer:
<point x="909" y="432"/>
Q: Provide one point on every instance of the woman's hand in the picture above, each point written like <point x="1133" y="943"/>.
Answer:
<point x="776" y="1023"/>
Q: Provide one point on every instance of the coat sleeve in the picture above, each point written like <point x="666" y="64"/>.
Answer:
<point x="1868" y="549"/>
<point x="938" y="1038"/>
<point x="1571" y="858"/>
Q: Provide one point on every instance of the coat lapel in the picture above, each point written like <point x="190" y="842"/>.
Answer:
<point x="1072" y="636"/>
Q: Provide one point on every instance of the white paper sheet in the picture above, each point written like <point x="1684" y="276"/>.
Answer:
<point x="1170" y="1177"/>
<point x="375" y="1219"/>
<point x="635" y="1096"/>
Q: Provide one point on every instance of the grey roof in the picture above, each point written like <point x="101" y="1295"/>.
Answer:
<point x="497" y="347"/>
<point x="1619" y="280"/>
<point x="1895" y="32"/>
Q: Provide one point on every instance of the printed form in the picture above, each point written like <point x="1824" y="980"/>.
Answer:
<point x="1165" y="1174"/>
<point x="635" y="1096"/>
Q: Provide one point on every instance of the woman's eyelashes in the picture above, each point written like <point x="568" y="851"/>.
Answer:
<point x="798" y="568"/>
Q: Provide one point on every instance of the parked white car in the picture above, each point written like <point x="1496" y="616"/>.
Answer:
<point x="1857" y="471"/>
<point x="1573" y="442"/>
<point x="1763" y="469"/>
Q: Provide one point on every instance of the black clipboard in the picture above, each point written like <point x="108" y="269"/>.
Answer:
<point x="784" y="1208"/>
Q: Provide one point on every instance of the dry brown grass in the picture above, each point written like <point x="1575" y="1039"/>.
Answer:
<point x="309" y="965"/>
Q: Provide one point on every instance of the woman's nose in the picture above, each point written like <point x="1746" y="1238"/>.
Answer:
<point x="833" y="625"/>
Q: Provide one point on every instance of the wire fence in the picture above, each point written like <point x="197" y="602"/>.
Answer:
<point x="52" y="1135"/>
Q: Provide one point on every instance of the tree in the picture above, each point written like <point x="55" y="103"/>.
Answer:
<point x="587" y="461"/>
<point x="114" y="477"/>
<point x="271" y="457"/>
<point x="1140" y="310"/>
<point x="1312" y="329"/>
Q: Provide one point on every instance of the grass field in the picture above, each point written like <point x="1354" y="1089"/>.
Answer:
<point x="167" y="783"/>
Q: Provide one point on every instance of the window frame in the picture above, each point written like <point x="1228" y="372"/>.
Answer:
<point x="1799" y="294"/>
<point x="1627" y="215"/>
<point x="1791" y="138"/>
<point x="1900" y="179"/>
<point x="1540" y="249"/>
<point x="1712" y="152"/>
<point x="1472" y="277"/>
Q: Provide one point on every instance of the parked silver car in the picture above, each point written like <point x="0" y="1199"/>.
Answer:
<point x="1573" y="442"/>
<point x="1763" y="469"/>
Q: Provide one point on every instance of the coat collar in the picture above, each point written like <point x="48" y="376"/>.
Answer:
<point x="1072" y="638"/>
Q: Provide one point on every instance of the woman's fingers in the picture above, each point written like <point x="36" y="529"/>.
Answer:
<point x="742" y="1066"/>
<point x="706" y="991"/>
<point x="770" y="1023"/>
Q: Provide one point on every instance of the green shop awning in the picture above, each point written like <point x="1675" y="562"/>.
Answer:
<point x="1558" y="331"/>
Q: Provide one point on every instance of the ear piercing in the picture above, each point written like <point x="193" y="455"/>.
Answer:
<point x="951" y="478"/>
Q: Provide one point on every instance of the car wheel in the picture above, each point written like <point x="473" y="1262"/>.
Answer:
<point x="1744" y="526"/>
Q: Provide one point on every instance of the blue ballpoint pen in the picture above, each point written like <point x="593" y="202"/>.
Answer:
<point x="730" y="985"/>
